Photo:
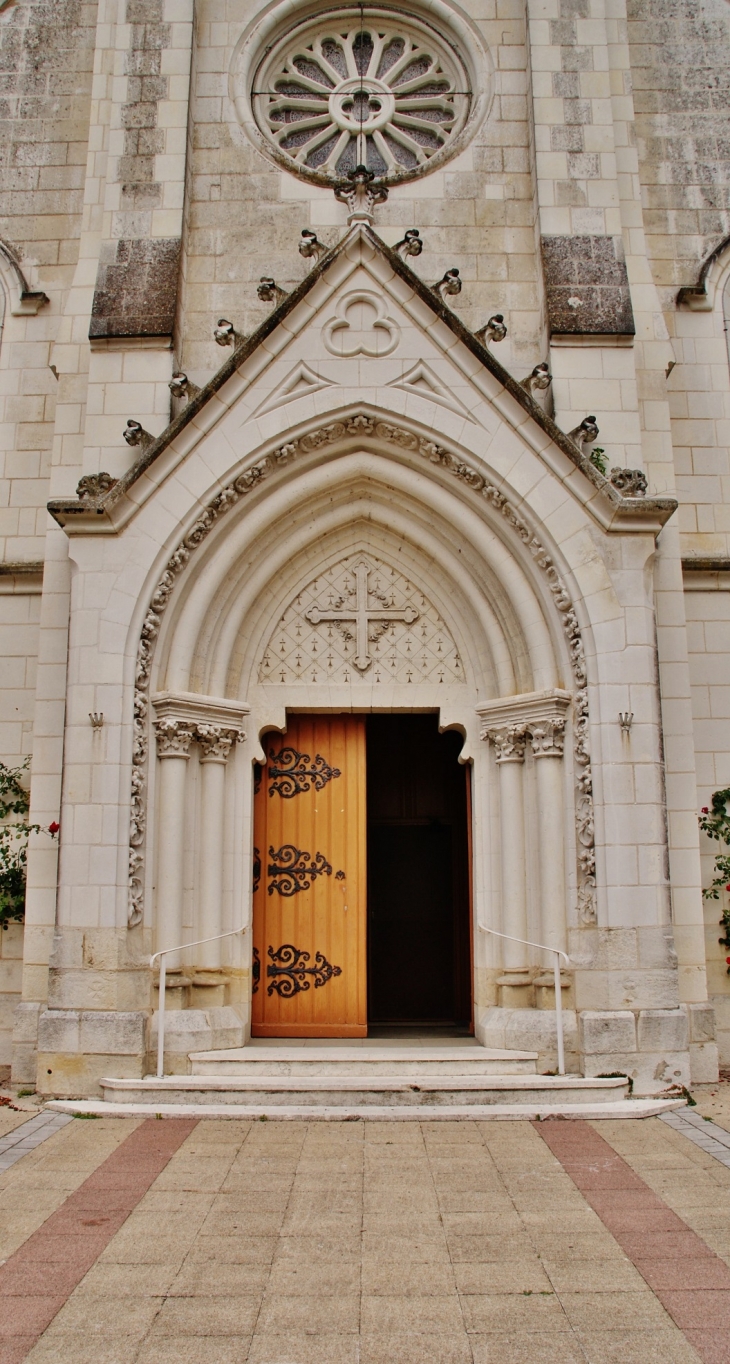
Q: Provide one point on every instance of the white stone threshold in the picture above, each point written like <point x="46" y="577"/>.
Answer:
<point x="343" y="1083"/>
<point x="623" y="1108"/>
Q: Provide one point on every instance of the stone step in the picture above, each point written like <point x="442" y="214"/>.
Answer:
<point x="311" y="1060"/>
<point x="351" y="1091"/>
<point x="622" y="1108"/>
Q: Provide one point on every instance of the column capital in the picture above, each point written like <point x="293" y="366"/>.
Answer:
<point x="215" y="742"/>
<point x="174" y="738"/>
<point x="539" y="715"/>
<point x="203" y="714"/>
<point x="548" y="737"/>
<point x="509" y="743"/>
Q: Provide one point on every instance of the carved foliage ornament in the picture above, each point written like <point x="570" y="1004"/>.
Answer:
<point x="547" y="736"/>
<point x="364" y="425"/>
<point x="509" y="743"/>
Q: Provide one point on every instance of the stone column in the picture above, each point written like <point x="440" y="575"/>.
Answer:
<point x="216" y="745"/>
<point x="548" y="738"/>
<point x="173" y="748"/>
<point x="509" y="744"/>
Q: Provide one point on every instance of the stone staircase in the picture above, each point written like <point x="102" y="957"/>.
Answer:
<point x="366" y="1080"/>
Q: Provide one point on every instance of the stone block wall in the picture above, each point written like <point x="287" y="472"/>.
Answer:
<point x="11" y="979"/>
<point x="244" y="215"/>
<point x="46" y="57"/>
<point x="681" y="90"/>
<point x="708" y="635"/>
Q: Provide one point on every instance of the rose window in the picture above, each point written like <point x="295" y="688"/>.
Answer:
<point x="361" y="91"/>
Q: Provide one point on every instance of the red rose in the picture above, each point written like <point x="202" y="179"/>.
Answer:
<point x="705" y="810"/>
<point x="53" y="828"/>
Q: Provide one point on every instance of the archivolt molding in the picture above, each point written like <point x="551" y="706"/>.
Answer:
<point x="24" y="302"/>
<point x="700" y="297"/>
<point x="365" y="425"/>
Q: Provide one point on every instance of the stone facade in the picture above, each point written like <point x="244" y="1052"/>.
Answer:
<point x="586" y="204"/>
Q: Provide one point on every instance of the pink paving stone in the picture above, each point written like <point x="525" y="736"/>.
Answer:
<point x="712" y="1347"/>
<point x="28" y="1316"/>
<point x="23" y="1277"/>
<point x="15" y="1349"/>
<point x="59" y="1250"/>
<point x="704" y="1272"/>
<point x="671" y="1261"/>
<point x="647" y="1221"/>
<point x="661" y="1245"/>
<point x="699" y="1310"/>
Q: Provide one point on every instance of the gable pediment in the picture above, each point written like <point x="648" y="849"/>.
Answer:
<point x="362" y="330"/>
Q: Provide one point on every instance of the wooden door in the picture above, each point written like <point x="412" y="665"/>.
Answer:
<point x="310" y="901"/>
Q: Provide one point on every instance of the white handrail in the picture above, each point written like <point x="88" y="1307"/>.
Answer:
<point x="557" y="953"/>
<point x="162" y="984"/>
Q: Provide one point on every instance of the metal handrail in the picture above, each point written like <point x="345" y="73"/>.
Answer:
<point x="557" y="953"/>
<point x="163" y="976"/>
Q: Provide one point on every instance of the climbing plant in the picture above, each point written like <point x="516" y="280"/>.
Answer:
<point x="14" y="835"/>
<point x="715" y="822"/>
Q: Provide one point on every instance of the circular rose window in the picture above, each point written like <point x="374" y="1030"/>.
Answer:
<point x="361" y="88"/>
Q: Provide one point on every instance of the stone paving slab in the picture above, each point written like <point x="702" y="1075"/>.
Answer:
<point x="365" y="1243"/>
<point x="28" y="1135"/>
<point x="714" y="1140"/>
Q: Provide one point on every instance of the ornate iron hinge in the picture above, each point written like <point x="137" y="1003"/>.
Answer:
<point x="290" y="972"/>
<point x="256" y="971"/>
<point x="256" y="869"/>
<point x="292" y="870"/>
<point x="292" y="775"/>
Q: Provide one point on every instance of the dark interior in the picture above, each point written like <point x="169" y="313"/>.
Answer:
<point x="419" y="967"/>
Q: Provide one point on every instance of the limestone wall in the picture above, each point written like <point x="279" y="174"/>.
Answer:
<point x="708" y="630"/>
<point x="244" y="215"/>
<point x="681" y="85"/>
<point x="11" y="973"/>
<point x="46" y="56"/>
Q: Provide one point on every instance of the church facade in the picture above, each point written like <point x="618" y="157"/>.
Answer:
<point x="365" y="526"/>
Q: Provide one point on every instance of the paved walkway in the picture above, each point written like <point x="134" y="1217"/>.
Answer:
<point x="131" y="1242"/>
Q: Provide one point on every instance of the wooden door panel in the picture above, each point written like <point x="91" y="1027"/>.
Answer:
<point x="309" y="910"/>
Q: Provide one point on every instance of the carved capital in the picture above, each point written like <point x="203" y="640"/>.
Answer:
<point x="215" y="742"/>
<point x="548" y="737"/>
<point x="509" y="743"/>
<point x="174" y="738"/>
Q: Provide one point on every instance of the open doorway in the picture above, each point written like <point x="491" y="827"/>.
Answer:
<point x="419" y="943"/>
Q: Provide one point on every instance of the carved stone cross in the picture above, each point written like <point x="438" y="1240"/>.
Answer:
<point x="361" y="615"/>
